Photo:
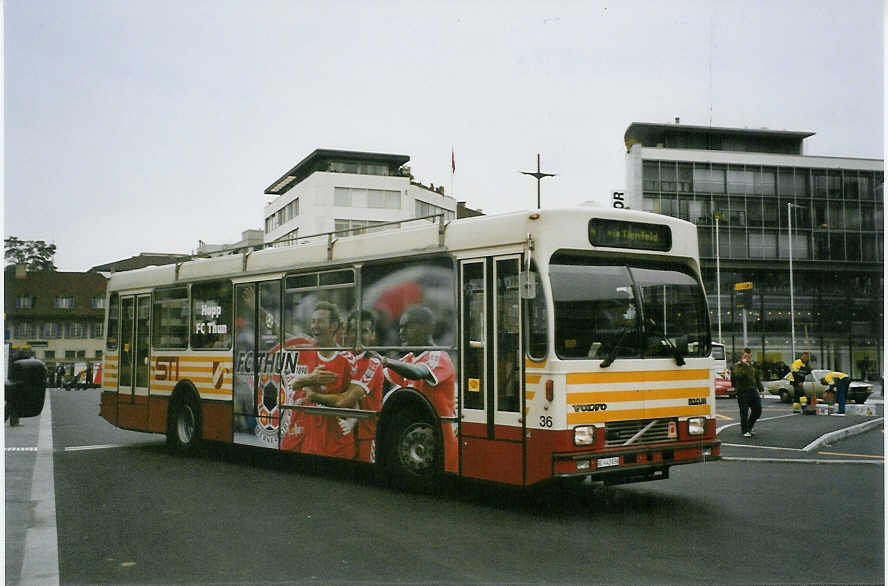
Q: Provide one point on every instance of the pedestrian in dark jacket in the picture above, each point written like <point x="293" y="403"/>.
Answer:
<point x="748" y="382"/>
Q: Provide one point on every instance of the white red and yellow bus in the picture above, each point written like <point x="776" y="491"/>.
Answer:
<point x="557" y="343"/>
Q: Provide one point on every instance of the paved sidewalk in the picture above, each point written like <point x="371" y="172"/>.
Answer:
<point x="31" y="539"/>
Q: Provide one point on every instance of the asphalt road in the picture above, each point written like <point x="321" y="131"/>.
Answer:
<point x="129" y="512"/>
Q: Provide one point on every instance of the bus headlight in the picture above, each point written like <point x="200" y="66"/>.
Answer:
<point x="584" y="435"/>
<point x="697" y="425"/>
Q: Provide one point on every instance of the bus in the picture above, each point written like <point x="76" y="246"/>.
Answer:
<point x="514" y="348"/>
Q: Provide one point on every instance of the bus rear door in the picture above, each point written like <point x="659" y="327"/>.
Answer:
<point x="491" y="423"/>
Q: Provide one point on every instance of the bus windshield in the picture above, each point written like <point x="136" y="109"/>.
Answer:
<point x="605" y="310"/>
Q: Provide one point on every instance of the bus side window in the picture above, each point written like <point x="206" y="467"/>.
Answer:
<point x="170" y="321"/>
<point x="536" y="318"/>
<point x="211" y="314"/>
<point x="113" y="322"/>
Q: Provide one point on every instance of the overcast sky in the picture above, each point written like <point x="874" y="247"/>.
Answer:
<point x="146" y="125"/>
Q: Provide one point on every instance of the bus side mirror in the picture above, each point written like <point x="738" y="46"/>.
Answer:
<point x="527" y="286"/>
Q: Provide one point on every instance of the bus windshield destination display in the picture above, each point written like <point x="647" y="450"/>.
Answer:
<point x="622" y="234"/>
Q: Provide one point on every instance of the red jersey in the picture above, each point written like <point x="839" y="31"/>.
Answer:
<point x="294" y="421"/>
<point x="441" y="392"/>
<point x="323" y="434"/>
<point x="369" y="376"/>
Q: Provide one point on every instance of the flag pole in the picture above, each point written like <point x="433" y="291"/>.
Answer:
<point x="452" y="171"/>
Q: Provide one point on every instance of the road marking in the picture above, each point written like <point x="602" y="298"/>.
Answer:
<point x="99" y="447"/>
<point x="720" y="416"/>
<point x="723" y="427"/>
<point x="852" y="455"/>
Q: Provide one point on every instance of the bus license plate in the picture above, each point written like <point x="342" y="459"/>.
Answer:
<point x="605" y="462"/>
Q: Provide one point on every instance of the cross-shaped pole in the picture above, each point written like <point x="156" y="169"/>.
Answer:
<point x="539" y="175"/>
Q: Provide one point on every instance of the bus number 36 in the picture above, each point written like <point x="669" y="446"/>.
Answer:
<point x="545" y="421"/>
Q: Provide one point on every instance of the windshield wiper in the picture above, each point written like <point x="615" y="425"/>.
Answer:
<point x="652" y="327"/>
<point x="612" y="355"/>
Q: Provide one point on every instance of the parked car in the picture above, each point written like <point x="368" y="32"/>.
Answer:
<point x="722" y="375"/>
<point x="858" y="392"/>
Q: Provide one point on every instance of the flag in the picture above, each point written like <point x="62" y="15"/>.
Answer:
<point x="452" y="161"/>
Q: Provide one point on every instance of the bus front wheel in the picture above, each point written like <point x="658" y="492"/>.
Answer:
<point x="184" y="424"/>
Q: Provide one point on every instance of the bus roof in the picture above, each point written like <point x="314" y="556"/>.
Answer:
<point x="551" y="229"/>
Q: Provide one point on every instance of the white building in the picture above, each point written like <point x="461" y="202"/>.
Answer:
<point x="338" y="190"/>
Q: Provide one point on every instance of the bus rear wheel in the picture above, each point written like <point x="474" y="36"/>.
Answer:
<point x="184" y="424"/>
<point x="414" y="452"/>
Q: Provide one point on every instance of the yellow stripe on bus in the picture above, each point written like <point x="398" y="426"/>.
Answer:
<point x="530" y="395"/>
<point x="636" y="395"/>
<point x="528" y="363"/>
<point x="635" y="376"/>
<point x="532" y="379"/>
<point x="224" y="359"/>
<point x="625" y="414"/>
<point x="201" y="388"/>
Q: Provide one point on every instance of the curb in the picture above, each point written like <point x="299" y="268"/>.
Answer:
<point x="801" y="461"/>
<point x="843" y="433"/>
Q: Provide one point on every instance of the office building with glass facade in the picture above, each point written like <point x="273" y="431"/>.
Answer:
<point x="755" y="196"/>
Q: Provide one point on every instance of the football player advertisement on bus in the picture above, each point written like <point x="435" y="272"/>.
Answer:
<point x="307" y="378"/>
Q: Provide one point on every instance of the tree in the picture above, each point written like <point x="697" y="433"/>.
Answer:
<point x="36" y="255"/>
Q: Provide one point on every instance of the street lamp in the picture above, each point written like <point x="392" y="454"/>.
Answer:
<point x="791" y="295"/>
<point x="718" y="287"/>
<point x="539" y="175"/>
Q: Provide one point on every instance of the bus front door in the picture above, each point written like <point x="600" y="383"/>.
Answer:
<point x="491" y="422"/>
<point x="132" y="390"/>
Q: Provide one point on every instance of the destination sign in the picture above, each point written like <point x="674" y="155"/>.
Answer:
<point x="623" y="234"/>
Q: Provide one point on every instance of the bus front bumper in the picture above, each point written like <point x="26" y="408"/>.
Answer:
<point x="636" y="464"/>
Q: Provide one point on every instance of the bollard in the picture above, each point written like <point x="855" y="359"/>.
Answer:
<point x="796" y="408"/>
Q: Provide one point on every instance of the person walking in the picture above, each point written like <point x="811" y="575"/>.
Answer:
<point x="839" y="382"/>
<point x="748" y="383"/>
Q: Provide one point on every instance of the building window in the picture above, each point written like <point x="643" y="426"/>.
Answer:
<point x="98" y="354"/>
<point x="766" y="182"/>
<point x="269" y="224"/>
<point x="834" y="184"/>
<point x="650" y="176"/>
<point x="97" y="330"/>
<point x="741" y="181"/>
<point x="361" y="226"/>
<point x="342" y="197"/>
<point x="52" y="329"/>
<point x="98" y="302"/>
<point x="75" y="329"/>
<point x="762" y="245"/>
<point x="70" y="355"/>
<point x="64" y="302"/>
<point x="709" y="180"/>
<point x="49" y="355"/>
<point x="426" y="209"/>
<point x="384" y="198"/>
<point x="23" y="329"/>
<point x="358" y="168"/>
<point x="667" y="177"/>
<point x="24" y="302"/>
